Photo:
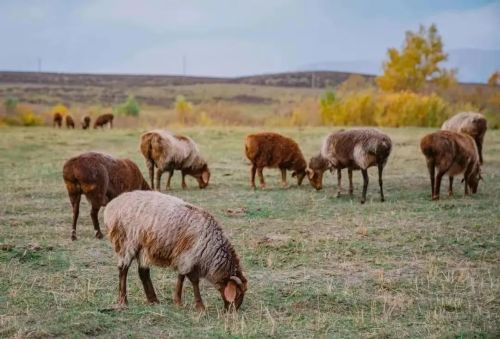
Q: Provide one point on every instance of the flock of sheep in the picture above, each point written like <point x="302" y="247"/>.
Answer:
<point x="101" y="121"/>
<point x="162" y="230"/>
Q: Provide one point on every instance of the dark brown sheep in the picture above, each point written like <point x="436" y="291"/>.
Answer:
<point x="70" y="123"/>
<point x="104" y="119"/>
<point x="451" y="153"/>
<point x="100" y="177"/>
<point x="57" y="121"/>
<point x="471" y="123"/>
<point x="275" y="151"/>
<point x="85" y="122"/>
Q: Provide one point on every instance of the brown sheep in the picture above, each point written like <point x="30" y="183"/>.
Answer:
<point x="275" y="151"/>
<point x="70" y="123"/>
<point x="104" y="119"/>
<point x="85" y="122"/>
<point x="451" y="153"/>
<point x="57" y="121"/>
<point x="354" y="149"/>
<point x="471" y="123"/>
<point x="168" y="152"/>
<point x="100" y="177"/>
<point x="162" y="230"/>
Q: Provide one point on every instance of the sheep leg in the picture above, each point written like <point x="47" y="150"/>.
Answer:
<point x="159" y="172"/>
<point x="450" y="188"/>
<point x="364" y="172"/>
<point x="94" y="212"/>
<point x="195" y="281"/>
<point x="178" y="290"/>
<point x="151" y="168"/>
<point x="380" y="181"/>
<point x="252" y="176"/>
<point x="148" y="285"/>
<point x="122" y="287"/>
<point x="283" y="177"/>
<point x="261" y="177"/>
<point x="339" y="182"/>
<point x="351" y="188"/>
<point x="431" y="168"/>
<point x="75" y="203"/>
<point x="479" y="143"/>
<point x="466" y="178"/>
<point x="184" y="186"/>
<point x="170" y="173"/>
<point x="437" y="189"/>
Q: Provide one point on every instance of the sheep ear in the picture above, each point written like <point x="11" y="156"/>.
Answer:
<point x="230" y="291"/>
<point x="294" y="174"/>
<point x="309" y="172"/>
<point x="204" y="176"/>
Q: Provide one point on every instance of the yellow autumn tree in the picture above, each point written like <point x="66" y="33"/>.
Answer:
<point x="59" y="108"/>
<point x="184" y="110"/>
<point x="419" y="62"/>
<point x="494" y="79"/>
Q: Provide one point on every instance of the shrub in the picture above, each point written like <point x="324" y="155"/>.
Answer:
<point x="184" y="110"/>
<point x="10" y="104"/>
<point x="59" y="108"/>
<point x="129" y="108"/>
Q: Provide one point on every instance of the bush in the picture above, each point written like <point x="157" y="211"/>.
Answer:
<point x="10" y="104"/>
<point x="24" y="116"/>
<point x="129" y="108"/>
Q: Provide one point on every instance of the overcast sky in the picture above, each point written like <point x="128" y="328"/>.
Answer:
<point x="228" y="37"/>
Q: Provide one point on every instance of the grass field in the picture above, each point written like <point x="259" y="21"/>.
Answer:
<point x="317" y="265"/>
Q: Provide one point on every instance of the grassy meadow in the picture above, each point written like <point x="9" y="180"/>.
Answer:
<point x="317" y="265"/>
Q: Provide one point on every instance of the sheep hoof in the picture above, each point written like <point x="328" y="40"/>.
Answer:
<point x="435" y="197"/>
<point x="285" y="185"/>
<point x="73" y="237"/>
<point x="153" y="301"/>
<point x="363" y="201"/>
<point x="200" y="307"/>
<point x="178" y="302"/>
<point x="99" y="235"/>
<point x="339" y="194"/>
<point x="382" y="199"/>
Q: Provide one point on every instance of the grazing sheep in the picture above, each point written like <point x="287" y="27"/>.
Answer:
<point x="100" y="177"/>
<point x="275" y="151"/>
<point x="70" y="123"/>
<point x="162" y="230"/>
<point x="451" y="153"/>
<point x="104" y="119"/>
<point x="168" y="152"/>
<point x="471" y="123"/>
<point x="354" y="149"/>
<point x="57" y="121"/>
<point x="85" y="122"/>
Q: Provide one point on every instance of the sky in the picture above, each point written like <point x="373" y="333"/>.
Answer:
<point x="227" y="37"/>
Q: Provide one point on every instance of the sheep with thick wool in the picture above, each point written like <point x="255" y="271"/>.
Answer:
<point x="162" y="230"/>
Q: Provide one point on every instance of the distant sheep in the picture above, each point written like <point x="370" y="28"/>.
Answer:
<point x="451" y="153"/>
<point x="353" y="149"/>
<point x="70" y="123"/>
<point x="103" y="120"/>
<point x="57" y="121"/>
<point x="100" y="178"/>
<point x="471" y="123"/>
<point x="275" y="151"/>
<point x="168" y="152"/>
<point x="85" y="122"/>
<point x="162" y="230"/>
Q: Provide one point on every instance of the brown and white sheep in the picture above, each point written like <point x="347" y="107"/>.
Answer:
<point x="354" y="149"/>
<point x="103" y="120"/>
<point x="471" y="123"/>
<point x="85" y="122"/>
<point x="168" y="152"/>
<point x="70" y="123"/>
<point x="162" y="230"/>
<point x="276" y="151"/>
<point x="451" y="153"/>
<point x="100" y="177"/>
<point x="57" y="121"/>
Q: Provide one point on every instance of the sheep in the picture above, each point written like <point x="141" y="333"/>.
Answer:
<point x="168" y="152"/>
<point x="70" y="123"/>
<point x="104" y="119"/>
<point x="100" y="177"/>
<point x="353" y="149"/>
<point x="276" y="151"/>
<point x="57" y="121"/>
<point x="451" y="153"/>
<point x="162" y="230"/>
<point x="471" y="123"/>
<point x="85" y="122"/>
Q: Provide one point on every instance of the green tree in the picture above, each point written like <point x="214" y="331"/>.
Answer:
<point x="10" y="104"/>
<point x="130" y="107"/>
<point x="417" y="63"/>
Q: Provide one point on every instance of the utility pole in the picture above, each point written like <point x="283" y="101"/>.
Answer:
<point x="39" y="64"/>
<point x="184" y="65"/>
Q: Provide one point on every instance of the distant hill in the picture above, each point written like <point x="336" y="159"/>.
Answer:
<point x="474" y="65"/>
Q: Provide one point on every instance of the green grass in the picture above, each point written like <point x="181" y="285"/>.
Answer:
<point x="317" y="265"/>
